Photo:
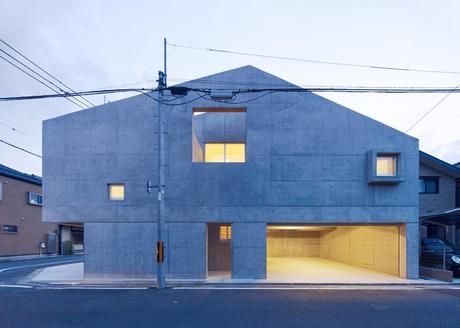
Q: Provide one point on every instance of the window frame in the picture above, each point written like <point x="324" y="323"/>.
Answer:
<point x="228" y="233"/>
<point x="373" y="178"/>
<point x="10" y="232"/>
<point x="109" y="197"/>
<point x="225" y="152"/>
<point x="432" y="178"/>
<point x="32" y="201"/>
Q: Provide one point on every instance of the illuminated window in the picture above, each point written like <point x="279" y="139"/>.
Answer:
<point x="225" y="232"/>
<point x="214" y="153"/>
<point x="117" y="192"/>
<point x="387" y="165"/>
<point x="224" y="153"/>
<point x="218" y="135"/>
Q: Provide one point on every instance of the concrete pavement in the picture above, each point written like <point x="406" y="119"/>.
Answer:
<point x="15" y="270"/>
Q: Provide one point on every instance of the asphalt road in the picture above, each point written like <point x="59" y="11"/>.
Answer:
<point x="15" y="270"/>
<point x="228" y="308"/>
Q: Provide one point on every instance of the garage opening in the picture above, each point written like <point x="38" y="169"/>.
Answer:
<point x="219" y="251"/>
<point x="333" y="254"/>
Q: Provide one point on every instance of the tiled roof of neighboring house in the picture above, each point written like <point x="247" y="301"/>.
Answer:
<point x="11" y="173"/>
<point x="439" y="164"/>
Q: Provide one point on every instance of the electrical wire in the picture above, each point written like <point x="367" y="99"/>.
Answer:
<point x="432" y="109"/>
<point x="19" y="148"/>
<point x="19" y="131"/>
<point x="45" y="71"/>
<point x="402" y="90"/>
<point x="41" y="82"/>
<point x="327" y="62"/>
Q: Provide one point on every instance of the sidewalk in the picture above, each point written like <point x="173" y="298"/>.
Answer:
<point x="72" y="274"/>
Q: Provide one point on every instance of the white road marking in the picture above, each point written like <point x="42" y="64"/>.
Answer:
<point x="96" y="288"/>
<point x="36" y="265"/>
<point x="16" y="286"/>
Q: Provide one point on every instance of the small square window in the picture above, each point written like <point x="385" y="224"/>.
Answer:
<point x="35" y="199"/>
<point x="117" y="192"/>
<point x="387" y="166"/>
<point x="9" y="228"/>
<point x="225" y="232"/>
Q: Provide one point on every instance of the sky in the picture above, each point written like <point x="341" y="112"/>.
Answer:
<point x="90" y="44"/>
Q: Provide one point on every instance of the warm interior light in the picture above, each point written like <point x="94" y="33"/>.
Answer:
<point x="235" y="153"/>
<point x="386" y="166"/>
<point x="225" y="232"/>
<point x="214" y="152"/>
<point x="116" y="192"/>
<point x="295" y="227"/>
<point x="224" y="153"/>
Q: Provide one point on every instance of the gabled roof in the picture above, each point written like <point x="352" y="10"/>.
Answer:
<point x="11" y="173"/>
<point x="439" y="164"/>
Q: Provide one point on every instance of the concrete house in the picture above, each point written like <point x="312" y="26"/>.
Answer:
<point x="266" y="185"/>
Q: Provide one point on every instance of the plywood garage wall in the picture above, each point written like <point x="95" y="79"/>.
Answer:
<point x="292" y="243"/>
<point x="375" y="248"/>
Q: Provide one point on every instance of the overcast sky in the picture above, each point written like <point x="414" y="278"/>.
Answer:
<point x="93" y="44"/>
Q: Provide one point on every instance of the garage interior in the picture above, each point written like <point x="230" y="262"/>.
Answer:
<point x="335" y="254"/>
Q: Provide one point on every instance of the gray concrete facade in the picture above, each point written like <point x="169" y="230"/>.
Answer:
<point x="306" y="163"/>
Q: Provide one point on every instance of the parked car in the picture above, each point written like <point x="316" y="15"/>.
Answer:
<point x="434" y="250"/>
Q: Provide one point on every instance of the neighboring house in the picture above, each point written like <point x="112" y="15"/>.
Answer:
<point x="266" y="184"/>
<point x="21" y="227"/>
<point x="439" y="210"/>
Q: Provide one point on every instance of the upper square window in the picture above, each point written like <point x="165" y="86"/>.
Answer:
<point x="219" y="135"/>
<point x="387" y="166"/>
<point x="117" y="192"/>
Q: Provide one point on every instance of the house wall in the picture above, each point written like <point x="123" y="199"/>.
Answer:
<point x="305" y="163"/>
<point x="292" y="243"/>
<point x="374" y="248"/>
<point x="445" y="199"/>
<point x="15" y="210"/>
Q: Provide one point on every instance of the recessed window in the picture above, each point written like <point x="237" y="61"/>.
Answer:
<point x="224" y="153"/>
<point x="8" y="228"/>
<point x="225" y="232"/>
<point x="116" y="192"/>
<point x="387" y="166"/>
<point x="35" y="199"/>
<point x="1" y="191"/>
<point x="219" y="135"/>
<point x="429" y="185"/>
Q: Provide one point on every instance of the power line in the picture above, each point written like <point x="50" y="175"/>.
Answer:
<point x="19" y="148"/>
<point x="44" y="71"/>
<point x="395" y="90"/>
<point x="34" y="134"/>
<point x="18" y="130"/>
<point x="327" y="62"/>
<point x="39" y="81"/>
<point x="432" y="108"/>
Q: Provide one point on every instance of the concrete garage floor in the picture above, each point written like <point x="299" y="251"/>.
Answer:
<point x="317" y="270"/>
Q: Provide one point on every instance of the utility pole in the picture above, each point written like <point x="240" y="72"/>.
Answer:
<point x="160" y="185"/>
<point x="161" y="227"/>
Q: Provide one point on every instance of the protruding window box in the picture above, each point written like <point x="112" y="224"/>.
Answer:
<point x="385" y="166"/>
